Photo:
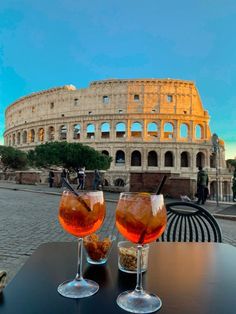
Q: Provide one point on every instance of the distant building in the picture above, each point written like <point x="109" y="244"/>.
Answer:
<point x="149" y="126"/>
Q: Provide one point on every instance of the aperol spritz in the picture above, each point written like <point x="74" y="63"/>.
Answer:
<point x="81" y="215"/>
<point x="140" y="218"/>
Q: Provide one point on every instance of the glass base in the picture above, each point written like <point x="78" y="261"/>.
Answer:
<point x="139" y="302"/>
<point x="77" y="289"/>
<point x="99" y="262"/>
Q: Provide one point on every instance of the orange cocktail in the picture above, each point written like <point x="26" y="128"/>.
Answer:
<point x="140" y="218"/>
<point x="81" y="215"/>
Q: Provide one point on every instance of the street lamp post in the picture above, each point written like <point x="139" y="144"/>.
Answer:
<point x="215" y="143"/>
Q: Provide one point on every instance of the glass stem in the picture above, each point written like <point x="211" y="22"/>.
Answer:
<point x="79" y="275"/>
<point x="139" y="285"/>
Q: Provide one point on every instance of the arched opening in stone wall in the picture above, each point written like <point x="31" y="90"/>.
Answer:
<point x="169" y="159"/>
<point x="200" y="160"/>
<point x="120" y="157"/>
<point x="18" y="138"/>
<point x="168" y="130"/>
<point x="136" y="158"/>
<point x="119" y="182"/>
<point x="51" y="133"/>
<point x="152" y="129"/>
<point x="90" y="131"/>
<point x="199" y="132"/>
<point x="41" y="135"/>
<point x="152" y="159"/>
<point x="9" y="140"/>
<point x="24" y="137"/>
<point x="136" y="129"/>
<point x="184" y="130"/>
<point x="105" y="130"/>
<point x="105" y="152"/>
<point x="213" y="189"/>
<point x="31" y="136"/>
<point x="14" y="139"/>
<point x="213" y="160"/>
<point x="105" y="182"/>
<point x="63" y="132"/>
<point x="184" y="159"/>
<point x="120" y="130"/>
<point x="76" y="132"/>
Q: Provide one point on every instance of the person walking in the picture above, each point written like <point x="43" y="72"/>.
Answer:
<point x="63" y="175"/>
<point x="80" y="178"/>
<point x="202" y="183"/>
<point x="51" y="178"/>
<point x="97" y="179"/>
<point x="234" y="186"/>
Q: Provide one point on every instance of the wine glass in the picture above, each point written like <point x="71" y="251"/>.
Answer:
<point x="141" y="218"/>
<point x="80" y="215"/>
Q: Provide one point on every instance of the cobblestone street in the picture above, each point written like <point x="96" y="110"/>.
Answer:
<point x="29" y="219"/>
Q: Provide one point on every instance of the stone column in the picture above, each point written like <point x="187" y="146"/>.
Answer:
<point x="177" y="159"/>
<point x="162" y="159"/>
<point x="144" y="158"/>
<point x="193" y="160"/>
<point x="175" y="130"/>
<point x="82" y="131"/>
<point x="112" y="130"/>
<point x="162" y="129"/>
<point x="127" y="158"/>
<point x="69" y="133"/>
<point x="220" y="188"/>
<point x="207" y="159"/>
<point x="56" y="132"/>
<point x="177" y="134"/>
<point x="144" y="133"/>
<point x="98" y="131"/>
<point x="112" y="154"/>
<point x="128" y="129"/>
<point x="191" y="132"/>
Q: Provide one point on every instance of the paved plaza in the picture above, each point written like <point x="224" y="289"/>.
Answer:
<point x="28" y="216"/>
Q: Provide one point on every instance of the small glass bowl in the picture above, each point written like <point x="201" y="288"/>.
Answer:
<point x="127" y="257"/>
<point x="98" y="249"/>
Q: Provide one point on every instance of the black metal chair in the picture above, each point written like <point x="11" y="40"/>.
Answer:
<point x="189" y="222"/>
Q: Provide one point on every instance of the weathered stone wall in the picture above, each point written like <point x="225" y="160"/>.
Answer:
<point x="173" y="187"/>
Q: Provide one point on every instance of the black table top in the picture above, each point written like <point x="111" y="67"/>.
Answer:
<point x="196" y="278"/>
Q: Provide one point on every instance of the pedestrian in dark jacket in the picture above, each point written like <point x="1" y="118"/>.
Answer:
<point x="202" y="183"/>
<point x="80" y="178"/>
<point x="51" y="178"/>
<point x="63" y="176"/>
<point x="234" y="186"/>
<point x="96" y="180"/>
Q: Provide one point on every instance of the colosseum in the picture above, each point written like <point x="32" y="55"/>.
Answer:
<point x="150" y="127"/>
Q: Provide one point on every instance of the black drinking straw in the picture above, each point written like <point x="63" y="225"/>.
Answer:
<point x="159" y="188"/>
<point x="71" y="189"/>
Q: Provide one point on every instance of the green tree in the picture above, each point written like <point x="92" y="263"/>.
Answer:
<point x="13" y="158"/>
<point x="231" y="162"/>
<point x="68" y="155"/>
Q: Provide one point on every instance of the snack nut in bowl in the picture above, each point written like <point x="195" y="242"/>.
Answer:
<point x="98" y="248"/>
<point x="127" y="257"/>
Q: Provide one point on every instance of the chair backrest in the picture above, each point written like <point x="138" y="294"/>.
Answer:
<point x="189" y="222"/>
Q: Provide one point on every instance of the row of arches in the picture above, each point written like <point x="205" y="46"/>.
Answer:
<point x="136" y="130"/>
<point x="153" y="160"/>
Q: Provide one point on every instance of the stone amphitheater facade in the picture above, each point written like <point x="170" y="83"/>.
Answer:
<point x="146" y="125"/>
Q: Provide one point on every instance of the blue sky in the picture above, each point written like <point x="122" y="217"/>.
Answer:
<point x="52" y="43"/>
